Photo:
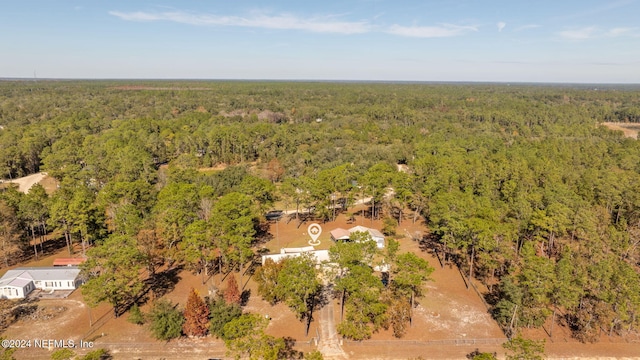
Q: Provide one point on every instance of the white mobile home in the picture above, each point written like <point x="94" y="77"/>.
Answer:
<point x="16" y="288"/>
<point x="318" y="255"/>
<point x="18" y="283"/>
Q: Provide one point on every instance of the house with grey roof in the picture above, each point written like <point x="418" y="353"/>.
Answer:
<point x="18" y="283"/>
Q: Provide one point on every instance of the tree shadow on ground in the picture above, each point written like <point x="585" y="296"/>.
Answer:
<point x="429" y="243"/>
<point x="47" y="248"/>
<point x="289" y="352"/>
<point x="290" y="217"/>
<point x="156" y="286"/>
<point x="493" y="297"/>
<point x="250" y="270"/>
<point x="164" y="282"/>
<point x="260" y="252"/>
<point x="262" y="233"/>
<point x="244" y="297"/>
<point x="303" y="218"/>
<point x="432" y="244"/>
<point x="323" y="297"/>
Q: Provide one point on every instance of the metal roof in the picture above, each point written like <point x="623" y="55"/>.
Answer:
<point x="296" y="250"/>
<point x="318" y="255"/>
<point x="15" y="282"/>
<point x="67" y="273"/>
<point x="340" y="234"/>
<point x="373" y="232"/>
<point x="68" y="261"/>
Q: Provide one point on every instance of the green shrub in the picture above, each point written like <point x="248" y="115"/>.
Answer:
<point x="136" y="316"/>
<point x="389" y="226"/>
<point x="314" y="355"/>
<point x="220" y="314"/>
<point x="98" y="354"/>
<point x="166" y="320"/>
<point x="62" y="354"/>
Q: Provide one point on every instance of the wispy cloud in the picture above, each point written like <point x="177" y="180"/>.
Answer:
<point x="440" y="31"/>
<point x="501" y="25"/>
<point x="326" y="24"/>
<point x="527" y="27"/>
<point x="620" y="31"/>
<point x="579" y="34"/>
<point x="593" y="32"/>
<point x="321" y="24"/>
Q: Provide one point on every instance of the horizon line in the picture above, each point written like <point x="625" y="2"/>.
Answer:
<point x="10" y="78"/>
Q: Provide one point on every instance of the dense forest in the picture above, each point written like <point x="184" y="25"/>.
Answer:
<point x="520" y="185"/>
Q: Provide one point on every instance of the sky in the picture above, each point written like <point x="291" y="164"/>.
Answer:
<point x="561" y="41"/>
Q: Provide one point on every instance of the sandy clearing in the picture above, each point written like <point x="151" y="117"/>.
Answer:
<point x="630" y="130"/>
<point x="25" y="183"/>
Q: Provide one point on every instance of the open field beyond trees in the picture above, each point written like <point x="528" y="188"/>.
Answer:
<point x="629" y="130"/>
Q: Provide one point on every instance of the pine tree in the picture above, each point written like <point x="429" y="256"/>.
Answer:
<point x="166" y="320"/>
<point x="221" y="313"/>
<point x="521" y="348"/>
<point x="232" y="292"/>
<point x="9" y="233"/>
<point x="196" y="315"/>
<point x="135" y="315"/>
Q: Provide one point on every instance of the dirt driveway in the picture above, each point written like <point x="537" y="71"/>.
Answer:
<point x="25" y="183"/>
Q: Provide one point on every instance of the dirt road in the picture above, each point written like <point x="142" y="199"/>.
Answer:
<point x="25" y="183"/>
<point x="329" y="344"/>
